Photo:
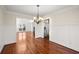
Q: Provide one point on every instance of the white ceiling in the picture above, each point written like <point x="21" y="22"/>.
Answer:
<point x="32" y="9"/>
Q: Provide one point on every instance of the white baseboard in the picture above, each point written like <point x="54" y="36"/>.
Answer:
<point x="1" y="47"/>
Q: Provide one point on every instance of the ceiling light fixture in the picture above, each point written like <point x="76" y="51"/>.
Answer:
<point x="37" y="19"/>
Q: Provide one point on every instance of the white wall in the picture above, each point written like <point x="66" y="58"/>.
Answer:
<point x="9" y="28"/>
<point x="64" y="27"/>
<point x="1" y="29"/>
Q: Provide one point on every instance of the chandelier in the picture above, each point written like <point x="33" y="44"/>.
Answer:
<point x="37" y="19"/>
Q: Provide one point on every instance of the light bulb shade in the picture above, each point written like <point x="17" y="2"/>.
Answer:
<point x="38" y="20"/>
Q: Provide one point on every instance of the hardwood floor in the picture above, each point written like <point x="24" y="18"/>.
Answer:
<point x="27" y="44"/>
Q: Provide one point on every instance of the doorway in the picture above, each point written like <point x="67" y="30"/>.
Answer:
<point x="46" y="28"/>
<point x="41" y="29"/>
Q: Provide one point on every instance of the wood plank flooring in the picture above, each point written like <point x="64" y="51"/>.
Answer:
<point x="27" y="44"/>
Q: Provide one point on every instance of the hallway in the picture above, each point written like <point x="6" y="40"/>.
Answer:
<point x="27" y="44"/>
